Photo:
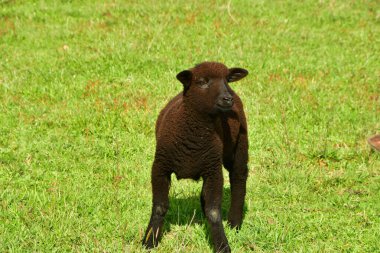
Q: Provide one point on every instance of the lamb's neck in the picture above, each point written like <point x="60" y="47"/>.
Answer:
<point x="196" y="120"/>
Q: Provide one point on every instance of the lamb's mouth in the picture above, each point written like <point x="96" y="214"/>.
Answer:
<point x="224" y="107"/>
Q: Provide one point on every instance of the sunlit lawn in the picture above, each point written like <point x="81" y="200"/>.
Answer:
<point x="81" y="85"/>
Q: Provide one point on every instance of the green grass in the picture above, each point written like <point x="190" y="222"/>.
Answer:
<point x="81" y="85"/>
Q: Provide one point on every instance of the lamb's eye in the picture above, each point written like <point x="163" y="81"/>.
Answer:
<point x="203" y="83"/>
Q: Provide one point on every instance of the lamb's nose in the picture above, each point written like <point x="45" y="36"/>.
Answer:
<point x="228" y="99"/>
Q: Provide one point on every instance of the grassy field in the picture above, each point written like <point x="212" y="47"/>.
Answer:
<point x="81" y="85"/>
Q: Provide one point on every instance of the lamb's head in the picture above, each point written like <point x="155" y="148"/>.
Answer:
<point x="206" y="86"/>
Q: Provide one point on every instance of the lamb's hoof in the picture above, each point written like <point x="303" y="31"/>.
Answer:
<point x="374" y="142"/>
<point x="234" y="225"/>
<point x="224" y="249"/>
<point x="148" y="242"/>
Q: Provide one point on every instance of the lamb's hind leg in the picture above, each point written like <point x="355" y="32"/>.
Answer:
<point x="160" y="187"/>
<point x="203" y="199"/>
<point x="238" y="172"/>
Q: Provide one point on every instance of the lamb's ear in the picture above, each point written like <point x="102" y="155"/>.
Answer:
<point x="185" y="78"/>
<point x="235" y="74"/>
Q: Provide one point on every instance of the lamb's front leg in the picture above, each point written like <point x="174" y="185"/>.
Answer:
<point x="160" y="187"/>
<point x="212" y="196"/>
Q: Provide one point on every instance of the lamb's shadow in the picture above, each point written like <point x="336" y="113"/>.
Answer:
<point x="188" y="211"/>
